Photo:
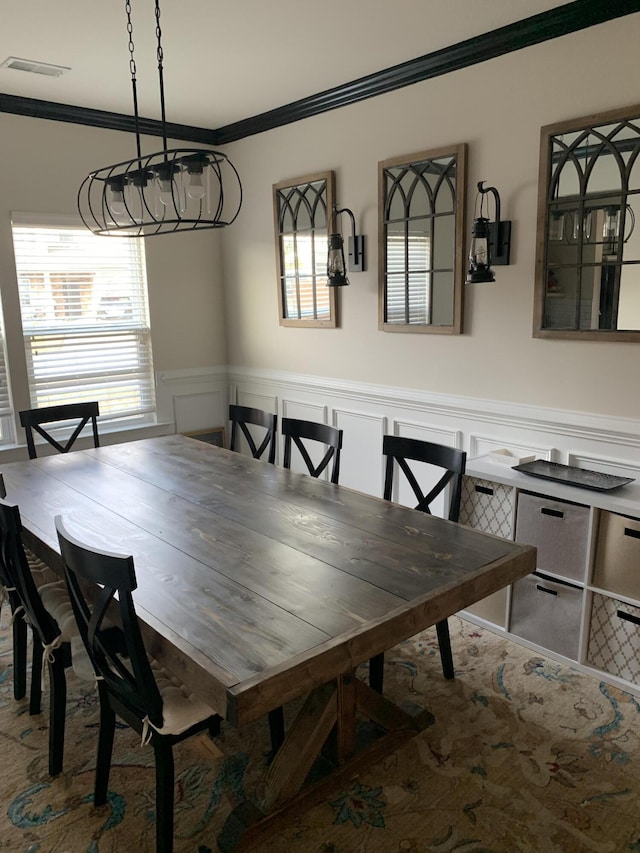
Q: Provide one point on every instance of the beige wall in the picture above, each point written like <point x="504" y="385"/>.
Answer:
<point x="42" y="166"/>
<point x="497" y="108"/>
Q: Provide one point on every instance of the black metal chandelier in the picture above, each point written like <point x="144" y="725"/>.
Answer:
<point x="179" y="189"/>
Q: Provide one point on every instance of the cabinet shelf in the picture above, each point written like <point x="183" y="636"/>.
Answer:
<point x="588" y="564"/>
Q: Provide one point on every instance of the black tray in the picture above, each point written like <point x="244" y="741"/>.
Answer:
<point x="571" y="476"/>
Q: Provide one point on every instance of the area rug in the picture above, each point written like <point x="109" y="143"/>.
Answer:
<point x="523" y="754"/>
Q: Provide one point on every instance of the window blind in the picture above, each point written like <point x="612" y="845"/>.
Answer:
<point x="408" y="277"/>
<point x="6" y="410"/>
<point x="85" y="319"/>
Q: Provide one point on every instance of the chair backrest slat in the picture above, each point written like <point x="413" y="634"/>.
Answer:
<point x="400" y="451"/>
<point x="241" y="417"/>
<point x="297" y="431"/>
<point x="33" y="419"/>
<point x="15" y="567"/>
<point x="100" y="588"/>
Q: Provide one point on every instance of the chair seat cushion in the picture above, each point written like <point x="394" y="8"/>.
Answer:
<point x="56" y="601"/>
<point x="40" y="571"/>
<point x="180" y="710"/>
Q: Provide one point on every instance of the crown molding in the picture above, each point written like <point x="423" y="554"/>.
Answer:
<point x="103" y="119"/>
<point x="561" y="21"/>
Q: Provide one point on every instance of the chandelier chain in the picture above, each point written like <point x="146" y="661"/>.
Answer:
<point x="160" y="53"/>
<point x="132" y="61"/>
<point x="132" y="68"/>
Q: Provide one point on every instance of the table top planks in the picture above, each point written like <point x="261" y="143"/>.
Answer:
<point x="257" y="584"/>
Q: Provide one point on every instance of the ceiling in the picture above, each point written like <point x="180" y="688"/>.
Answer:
<point x="228" y="60"/>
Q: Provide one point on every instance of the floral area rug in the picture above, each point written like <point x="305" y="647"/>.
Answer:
<point x="524" y="754"/>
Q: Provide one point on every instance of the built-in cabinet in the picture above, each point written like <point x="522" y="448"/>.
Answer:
<point x="583" y="601"/>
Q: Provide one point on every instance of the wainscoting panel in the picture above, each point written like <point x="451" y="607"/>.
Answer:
<point x="304" y="412"/>
<point x="426" y="474"/>
<point x="198" y="411"/>
<point x="266" y="402"/>
<point x="608" y="466"/>
<point x="361" y="466"/>
<point x="192" y="399"/>
<point x="479" y="445"/>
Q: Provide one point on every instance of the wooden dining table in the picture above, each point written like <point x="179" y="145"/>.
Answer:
<point x="258" y="585"/>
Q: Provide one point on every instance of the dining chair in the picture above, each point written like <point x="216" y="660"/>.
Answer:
<point x="47" y="610"/>
<point x="9" y="594"/>
<point x="399" y="452"/>
<point x="296" y="432"/>
<point x="130" y="684"/>
<point x="243" y="416"/>
<point x="33" y="419"/>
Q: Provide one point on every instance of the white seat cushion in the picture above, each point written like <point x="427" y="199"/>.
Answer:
<point x="180" y="710"/>
<point x="56" y="601"/>
<point x="40" y="571"/>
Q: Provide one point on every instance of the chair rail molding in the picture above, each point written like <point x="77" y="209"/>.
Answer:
<point x="517" y="418"/>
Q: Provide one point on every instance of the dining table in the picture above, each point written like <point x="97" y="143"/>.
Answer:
<point x="258" y="585"/>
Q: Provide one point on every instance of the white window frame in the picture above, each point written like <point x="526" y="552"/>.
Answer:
<point x="113" y="332"/>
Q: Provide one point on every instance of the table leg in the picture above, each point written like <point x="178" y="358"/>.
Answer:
<point x="301" y="746"/>
<point x="329" y="711"/>
<point x="346" y="718"/>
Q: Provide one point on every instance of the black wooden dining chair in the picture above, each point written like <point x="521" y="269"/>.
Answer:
<point x="9" y="594"/>
<point x="399" y="452"/>
<point x="130" y="684"/>
<point x="241" y="418"/>
<point x="47" y="610"/>
<point x="33" y="419"/>
<point x="296" y="432"/>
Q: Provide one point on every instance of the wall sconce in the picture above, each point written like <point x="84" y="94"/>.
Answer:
<point x="490" y="241"/>
<point x="336" y="266"/>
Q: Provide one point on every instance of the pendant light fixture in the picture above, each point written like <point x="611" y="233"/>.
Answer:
<point x="179" y="189"/>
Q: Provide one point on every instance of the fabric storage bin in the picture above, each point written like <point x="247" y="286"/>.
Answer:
<point x="617" y="564"/>
<point x="488" y="506"/>
<point x="614" y="638"/>
<point x="558" y="529"/>
<point x="547" y="612"/>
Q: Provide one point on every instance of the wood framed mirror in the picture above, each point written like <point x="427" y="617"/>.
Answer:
<point x="302" y="214"/>
<point x="588" y="241"/>
<point x="421" y="208"/>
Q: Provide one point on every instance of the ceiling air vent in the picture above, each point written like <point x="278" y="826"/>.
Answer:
<point x="34" y="67"/>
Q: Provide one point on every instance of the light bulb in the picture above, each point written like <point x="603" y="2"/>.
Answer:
<point x="556" y="226"/>
<point x="611" y="224"/>
<point x="195" y="187"/>
<point x="115" y="198"/>
<point x="166" y="194"/>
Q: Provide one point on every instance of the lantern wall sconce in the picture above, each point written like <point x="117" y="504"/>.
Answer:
<point x="490" y="241"/>
<point x="336" y="266"/>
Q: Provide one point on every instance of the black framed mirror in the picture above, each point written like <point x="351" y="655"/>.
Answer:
<point x="588" y="250"/>
<point x="421" y="208"/>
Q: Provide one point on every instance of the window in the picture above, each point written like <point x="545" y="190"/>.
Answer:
<point x="421" y="220"/>
<point x="301" y="217"/>
<point x="6" y="411"/>
<point x="85" y="319"/>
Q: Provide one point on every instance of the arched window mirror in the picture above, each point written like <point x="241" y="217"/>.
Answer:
<point x="421" y="246"/>
<point x="301" y="224"/>
<point x="588" y="253"/>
